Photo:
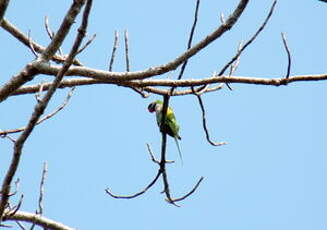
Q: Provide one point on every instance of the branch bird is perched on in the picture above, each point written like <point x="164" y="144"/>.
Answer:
<point x="170" y="125"/>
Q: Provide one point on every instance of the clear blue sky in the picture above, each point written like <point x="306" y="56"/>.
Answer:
<point x="272" y="173"/>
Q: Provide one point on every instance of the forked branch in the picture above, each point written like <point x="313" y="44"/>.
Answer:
<point x="39" y="109"/>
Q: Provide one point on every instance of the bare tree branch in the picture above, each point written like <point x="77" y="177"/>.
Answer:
<point x="86" y="44"/>
<point x="127" y="61"/>
<point x="39" y="93"/>
<point x="62" y="32"/>
<point x="153" y="158"/>
<point x="152" y="155"/>
<point x="41" y="195"/>
<point x="189" y="44"/>
<point x="163" y="153"/>
<point x="19" y="80"/>
<point x="48" y="116"/>
<point x="40" y="107"/>
<point x="234" y="65"/>
<point x="7" y="26"/>
<point x="126" y="51"/>
<point x="20" y="225"/>
<point x="3" y="8"/>
<point x="87" y="81"/>
<point x="50" y="32"/>
<point x="114" y="49"/>
<point x="29" y="72"/>
<point x="138" y="193"/>
<point x="289" y="60"/>
<point x="31" y="44"/>
<point x="164" y="113"/>
<point x="204" y="122"/>
<point x="25" y="75"/>
<point x="15" y="209"/>
<point x="9" y="138"/>
<point x="190" y="52"/>
<point x="222" y="71"/>
<point x="148" y="84"/>
<point x="37" y="219"/>
<point x="190" y="192"/>
<point x="124" y="76"/>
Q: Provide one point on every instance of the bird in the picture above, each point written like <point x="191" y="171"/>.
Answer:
<point x="170" y="125"/>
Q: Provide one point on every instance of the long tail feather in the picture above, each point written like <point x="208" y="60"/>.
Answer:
<point x="179" y="150"/>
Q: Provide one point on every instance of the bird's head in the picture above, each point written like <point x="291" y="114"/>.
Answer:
<point x="154" y="106"/>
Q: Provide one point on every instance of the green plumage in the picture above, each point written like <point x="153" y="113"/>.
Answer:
<point x="170" y="125"/>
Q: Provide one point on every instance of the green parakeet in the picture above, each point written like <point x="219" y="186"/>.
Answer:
<point x="170" y="126"/>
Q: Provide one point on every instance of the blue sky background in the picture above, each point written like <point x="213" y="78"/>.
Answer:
<point x="272" y="173"/>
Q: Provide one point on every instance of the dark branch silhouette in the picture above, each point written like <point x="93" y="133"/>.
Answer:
<point x="289" y="60"/>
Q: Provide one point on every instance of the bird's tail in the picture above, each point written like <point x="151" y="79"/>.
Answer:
<point x="179" y="149"/>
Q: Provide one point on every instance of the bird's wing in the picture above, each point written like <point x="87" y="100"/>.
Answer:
<point x="172" y="122"/>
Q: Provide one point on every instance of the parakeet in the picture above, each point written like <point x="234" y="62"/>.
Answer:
<point x="170" y="126"/>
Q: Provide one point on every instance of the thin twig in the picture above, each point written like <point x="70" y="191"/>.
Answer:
<point x="189" y="43"/>
<point x="38" y="94"/>
<point x="14" y="31"/>
<point x="20" y="225"/>
<point x="138" y="193"/>
<point x="140" y="92"/>
<point x="200" y="90"/>
<point x="289" y="60"/>
<point x="63" y="30"/>
<point x="153" y="157"/>
<point x="164" y="171"/>
<point x="222" y="18"/>
<point x="114" y="49"/>
<point x="41" y="195"/>
<point x="47" y="27"/>
<point x="51" y="33"/>
<point x="46" y="117"/>
<point x="15" y="209"/>
<point x="17" y="183"/>
<point x="31" y="44"/>
<point x="126" y="51"/>
<point x="86" y="44"/>
<point x="204" y="122"/>
<point x="190" y="192"/>
<point x="5" y="226"/>
<point x="8" y="137"/>
<point x="249" y="41"/>
<point x="33" y="225"/>
<point x="128" y="65"/>
<point x="234" y="65"/>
